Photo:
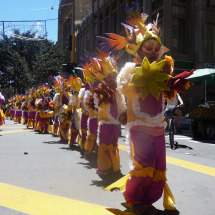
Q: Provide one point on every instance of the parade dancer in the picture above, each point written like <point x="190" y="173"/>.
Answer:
<point x="12" y="111"/>
<point x="8" y="106"/>
<point x="18" y="111"/>
<point x="2" y="116"/>
<point x="144" y="83"/>
<point x="88" y="101"/>
<point x="44" y="114"/>
<point x="84" y="117"/>
<point x="25" y="109"/>
<point x="32" y="108"/>
<point x="61" y="99"/>
<point x="111" y="105"/>
<point x="38" y="105"/>
<point x="74" y="109"/>
<point x="56" y="105"/>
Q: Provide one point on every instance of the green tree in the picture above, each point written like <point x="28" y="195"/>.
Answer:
<point x="26" y="63"/>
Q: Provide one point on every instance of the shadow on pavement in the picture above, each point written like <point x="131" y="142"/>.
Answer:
<point x="71" y="148"/>
<point x="177" y="146"/>
<point x="56" y="142"/>
<point x="108" y="180"/>
<point x="92" y="164"/>
<point x="126" y="212"/>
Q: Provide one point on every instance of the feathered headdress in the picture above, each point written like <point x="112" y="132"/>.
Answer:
<point x="137" y="32"/>
<point x="59" y="83"/>
<point x="75" y="83"/>
<point x="46" y="88"/>
<point x="103" y="64"/>
<point x="87" y="68"/>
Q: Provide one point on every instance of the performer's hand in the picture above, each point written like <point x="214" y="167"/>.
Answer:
<point x="167" y="68"/>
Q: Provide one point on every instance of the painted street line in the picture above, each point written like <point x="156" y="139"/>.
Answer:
<point x="38" y="203"/>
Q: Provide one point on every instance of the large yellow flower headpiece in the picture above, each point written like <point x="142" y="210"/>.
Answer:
<point x="137" y="32"/>
<point x="149" y="78"/>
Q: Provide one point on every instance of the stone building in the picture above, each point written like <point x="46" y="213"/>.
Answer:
<point x="70" y="16"/>
<point x="188" y="28"/>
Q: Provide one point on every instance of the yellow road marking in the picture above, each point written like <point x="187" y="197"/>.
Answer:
<point x="185" y="164"/>
<point x="191" y="166"/>
<point x="6" y="132"/>
<point x="13" y="127"/>
<point x="38" y="203"/>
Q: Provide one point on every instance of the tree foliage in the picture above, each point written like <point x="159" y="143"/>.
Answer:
<point x="27" y="63"/>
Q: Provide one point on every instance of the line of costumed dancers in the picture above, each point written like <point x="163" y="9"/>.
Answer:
<point x="90" y="114"/>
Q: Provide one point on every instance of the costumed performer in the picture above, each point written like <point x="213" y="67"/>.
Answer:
<point x="38" y="104"/>
<point x="74" y="110"/>
<point x="88" y="101"/>
<point x="18" y="111"/>
<point x="62" y="99"/>
<point x="25" y="109"/>
<point x="8" y="108"/>
<point x="2" y="116"/>
<point x="12" y="110"/>
<point x="45" y="113"/>
<point x="145" y="83"/>
<point x="56" y="103"/>
<point x="110" y="104"/>
<point x="84" y="117"/>
<point x="32" y="108"/>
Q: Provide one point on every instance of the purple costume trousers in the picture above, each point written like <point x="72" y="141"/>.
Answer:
<point x="84" y="119"/>
<point x="92" y="135"/>
<point x="108" y="137"/>
<point x="149" y="151"/>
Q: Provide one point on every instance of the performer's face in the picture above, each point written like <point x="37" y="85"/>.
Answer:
<point x="111" y="80"/>
<point x="150" y="49"/>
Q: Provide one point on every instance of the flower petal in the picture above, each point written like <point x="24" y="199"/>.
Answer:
<point x="161" y="64"/>
<point x="162" y="85"/>
<point x="153" y="68"/>
<point x="144" y="91"/>
<point x="145" y="63"/>
<point x="139" y="71"/>
<point x="153" y="88"/>
<point x="138" y="80"/>
<point x="161" y="76"/>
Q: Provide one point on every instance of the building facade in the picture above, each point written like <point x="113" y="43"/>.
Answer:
<point x="70" y="16"/>
<point x="188" y="30"/>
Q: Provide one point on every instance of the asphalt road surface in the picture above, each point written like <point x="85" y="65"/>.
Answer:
<point x="40" y="175"/>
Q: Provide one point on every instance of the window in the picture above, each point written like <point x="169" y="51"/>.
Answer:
<point x="95" y="29"/>
<point x="114" y="22"/>
<point x="209" y="40"/>
<point x="178" y="36"/>
<point x="107" y="25"/>
<point x="156" y="4"/>
<point x="100" y="30"/>
<point x="210" y="3"/>
<point x="179" y="10"/>
<point x="160" y="25"/>
<point x="107" y="12"/>
<point x="122" y="16"/>
<point x="114" y="5"/>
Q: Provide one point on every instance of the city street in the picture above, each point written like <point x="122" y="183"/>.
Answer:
<point x="40" y="175"/>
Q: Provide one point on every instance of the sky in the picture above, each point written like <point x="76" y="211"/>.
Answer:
<point x="10" y="10"/>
